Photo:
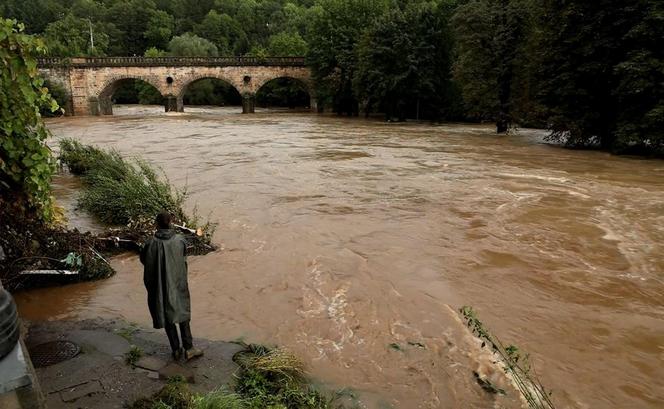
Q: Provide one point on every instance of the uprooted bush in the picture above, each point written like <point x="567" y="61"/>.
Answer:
<point x="267" y="378"/>
<point x="128" y="193"/>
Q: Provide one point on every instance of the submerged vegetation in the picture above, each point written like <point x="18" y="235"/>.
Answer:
<point x="515" y="363"/>
<point x="129" y="193"/>
<point x="119" y="191"/>
<point x="267" y="378"/>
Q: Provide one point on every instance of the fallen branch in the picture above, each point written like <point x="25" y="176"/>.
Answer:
<point x="516" y="365"/>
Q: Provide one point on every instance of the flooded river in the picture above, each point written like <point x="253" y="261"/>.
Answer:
<point x="342" y="236"/>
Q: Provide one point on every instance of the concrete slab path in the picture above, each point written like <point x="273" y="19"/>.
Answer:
<point x="100" y="378"/>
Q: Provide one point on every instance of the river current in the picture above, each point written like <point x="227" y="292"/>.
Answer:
<point x="340" y="237"/>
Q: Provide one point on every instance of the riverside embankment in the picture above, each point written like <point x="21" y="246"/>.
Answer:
<point x="343" y="236"/>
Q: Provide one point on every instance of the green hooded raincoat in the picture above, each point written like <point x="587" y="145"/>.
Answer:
<point x="165" y="278"/>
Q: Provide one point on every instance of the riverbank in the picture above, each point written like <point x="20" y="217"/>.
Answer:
<point x="99" y="376"/>
<point x="108" y="364"/>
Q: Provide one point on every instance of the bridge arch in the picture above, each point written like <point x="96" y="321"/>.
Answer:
<point x="102" y="102"/>
<point x="184" y="84"/>
<point x="304" y="84"/>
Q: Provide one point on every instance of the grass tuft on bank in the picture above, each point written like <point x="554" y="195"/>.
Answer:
<point x="267" y="378"/>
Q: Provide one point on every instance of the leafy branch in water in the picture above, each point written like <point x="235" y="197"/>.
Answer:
<point x="515" y="363"/>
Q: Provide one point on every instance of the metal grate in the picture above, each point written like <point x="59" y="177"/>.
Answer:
<point x="51" y="353"/>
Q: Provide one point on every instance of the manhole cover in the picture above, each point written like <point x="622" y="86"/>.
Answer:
<point x="51" y="353"/>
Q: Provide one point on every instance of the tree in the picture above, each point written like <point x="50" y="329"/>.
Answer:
<point x="191" y="45"/>
<point x="596" y="59"/>
<point x="70" y="37"/>
<point x="287" y="45"/>
<point x="26" y="163"/>
<point x="160" y="29"/>
<point x="132" y="19"/>
<point x="405" y="61"/>
<point x="640" y="88"/>
<point x="34" y="14"/>
<point x="490" y="34"/>
<point x="189" y="12"/>
<point x="215" y="28"/>
<point x="335" y="29"/>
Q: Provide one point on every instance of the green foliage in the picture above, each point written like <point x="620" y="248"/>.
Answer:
<point x="219" y="399"/>
<point x="191" y="45"/>
<point x="60" y="95"/>
<point x="268" y="378"/>
<point x="26" y="163"/>
<point x="72" y="260"/>
<point x="118" y="191"/>
<point x="405" y="60"/>
<point x="133" y="355"/>
<point x="175" y="395"/>
<point x="160" y="29"/>
<point x="70" y="37"/>
<point x="275" y="378"/>
<point x="335" y="29"/>
<point x="285" y="92"/>
<point x="287" y="45"/>
<point x="514" y="363"/>
<point x="211" y="92"/>
<point x="490" y="35"/>
<point x="589" y="71"/>
<point x="599" y="69"/>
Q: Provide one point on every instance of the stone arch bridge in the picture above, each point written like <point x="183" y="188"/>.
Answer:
<point x="91" y="82"/>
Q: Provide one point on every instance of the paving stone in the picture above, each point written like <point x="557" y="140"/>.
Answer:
<point x="173" y="369"/>
<point x="88" y="388"/>
<point x="151" y="363"/>
<point x="104" y="342"/>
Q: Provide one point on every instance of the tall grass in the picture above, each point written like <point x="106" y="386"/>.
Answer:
<point x="267" y="378"/>
<point x="276" y="378"/>
<point x="119" y="191"/>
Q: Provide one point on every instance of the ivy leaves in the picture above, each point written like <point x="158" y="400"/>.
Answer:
<point x="26" y="162"/>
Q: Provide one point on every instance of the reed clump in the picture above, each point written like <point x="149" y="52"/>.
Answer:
<point x="129" y="193"/>
<point x="120" y="191"/>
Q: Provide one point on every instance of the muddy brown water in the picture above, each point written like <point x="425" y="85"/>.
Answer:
<point x="342" y="236"/>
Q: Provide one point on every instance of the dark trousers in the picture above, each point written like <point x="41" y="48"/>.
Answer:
<point x="185" y="333"/>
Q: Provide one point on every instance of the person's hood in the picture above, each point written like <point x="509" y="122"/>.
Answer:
<point x="164" y="234"/>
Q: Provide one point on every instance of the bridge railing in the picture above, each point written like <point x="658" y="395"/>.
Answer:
<point x="169" y="61"/>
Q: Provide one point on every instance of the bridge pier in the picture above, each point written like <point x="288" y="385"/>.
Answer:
<point x="313" y="105"/>
<point x="106" y="106"/>
<point x="248" y="103"/>
<point x="93" y="106"/>
<point x="171" y="104"/>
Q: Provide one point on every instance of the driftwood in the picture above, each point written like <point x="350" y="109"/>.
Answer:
<point x="48" y="272"/>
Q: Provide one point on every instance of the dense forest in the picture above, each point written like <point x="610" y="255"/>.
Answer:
<point x="590" y="71"/>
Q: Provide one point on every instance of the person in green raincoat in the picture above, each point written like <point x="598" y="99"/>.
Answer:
<point x="164" y="257"/>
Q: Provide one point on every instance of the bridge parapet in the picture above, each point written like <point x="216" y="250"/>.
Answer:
<point x="84" y="62"/>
